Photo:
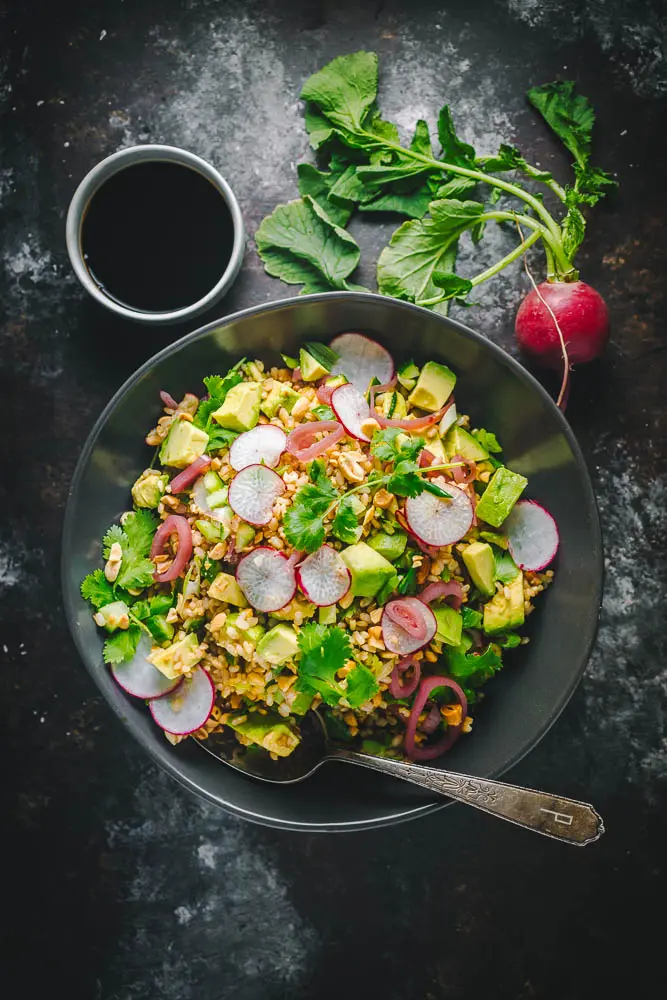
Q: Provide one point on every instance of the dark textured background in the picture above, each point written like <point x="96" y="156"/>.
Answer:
<point x="117" y="884"/>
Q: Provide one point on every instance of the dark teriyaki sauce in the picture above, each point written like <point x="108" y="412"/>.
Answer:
<point x="157" y="236"/>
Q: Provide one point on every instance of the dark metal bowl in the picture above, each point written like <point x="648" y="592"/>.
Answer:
<point x="523" y="701"/>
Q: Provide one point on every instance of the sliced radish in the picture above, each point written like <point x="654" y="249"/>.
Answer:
<point x="361" y="359"/>
<point x="449" y="418"/>
<point x="351" y="408"/>
<point x="397" y="639"/>
<point x="323" y="577"/>
<point x="188" y="707"/>
<point x="267" y="579"/>
<point x="532" y="534"/>
<point x="253" y="492"/>
<point x="140" y="678"/>
<point x="200" y="497"/>
<point x="439" y="521"/>
<point x="264" y="444"/>
<point x="410" y="619"/>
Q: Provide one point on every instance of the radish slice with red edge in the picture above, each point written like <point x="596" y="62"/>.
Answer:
<point x="267" y="579"/>
<point x="397" y="640"/>
<point x="361" y="359"/>
<point x="439" y="521"/>
<point x="263" y="445"/>
<point x="188" y="476"/>
<point x="410" y="619"/>
<point x="532" y="535"/>
<point x="200" y="497"/>
<point x="351" y="408"/>
<point x="140" y="678"/>
<point x="253" y="492"/>
<point x="436" y="749"/>
<point x="177" y="525"/>
<point x="188" y="707"/>
<point x="323" y="577"/>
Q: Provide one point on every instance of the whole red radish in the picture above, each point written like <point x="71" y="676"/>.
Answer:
<point x="582" y="316"/>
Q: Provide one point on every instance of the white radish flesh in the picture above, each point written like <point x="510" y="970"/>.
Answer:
<point x="323" y="577"/>
<point x="351" y="408"/>
<point x="398" y="640"/>
<point x="188" y="707"/>
<point x="532" y="534"/>
<point x="264" y="444"/>
<point x="361" y="359"/>
<point x="140" y="678"/>
<point x="266" y="579"/>
<point x="253" y="492"/>
<point x="439" y="521"/>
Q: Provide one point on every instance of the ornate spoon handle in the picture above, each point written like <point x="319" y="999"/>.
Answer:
<point x="552" y="815"/>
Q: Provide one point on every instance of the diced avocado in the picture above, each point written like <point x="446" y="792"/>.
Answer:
<point x="504" y="489"/>
<point x="183" y="444"/>
<point x="388" y="588"/>
<point x="245" y="536"/>
<point x="370" y="571"/>
<point x="459" y="442"/>
<point x="240" y="410"/>
<point x="225" y="588"/>
<point x="297" y="606"/>
<point x="389" y="546"/>
<point x="434" y="386"/>
<point x="281" y="395"/>
<point x="174" y="660"/>
<point x="278" y="645"/>
<point x="268" y="731"/>
<point x="450" y="625"/>
<point x="311" y="368"/>
<point x="113" y="616"/>
<point x="435" y="446"/>
<point x="502" y="613"/>
<point x="327" y="616"/>
<point x="391" y="405"/>
<point x="301" y="703"/>
<point x="149" y="487"/>
<point x="495" y="538"/>
<point x="252" y="635"/>
<point x="479" y="561"/>
<point x="407" y="375"/>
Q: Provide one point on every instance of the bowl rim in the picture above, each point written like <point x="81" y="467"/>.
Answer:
<point x="160" y="755"/>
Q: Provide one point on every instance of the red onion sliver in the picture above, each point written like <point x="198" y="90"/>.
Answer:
<point x="437" y="749"/>
<point x="451" y="589"/>
<point x="297" y="440"/>
<point x="175" y="524"/>
<point x="168" y="400"/>
<point x="432" y="720"/>
<point x="426" y="458"/>
<point x="324" y="394"/>
<point x="396" y="686"/>
<point x="188" y="476"/>
<point x="296" y="375"/>
<point x="464" y="473"/>
<point x="412" y="424"/>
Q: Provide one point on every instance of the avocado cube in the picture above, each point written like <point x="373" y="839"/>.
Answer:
<point x="437" y="449"/>
<point x="450" y="625"/>
<point x="297" y="605"/>
<point x="174" y="660"/>
<point x="311" y="368"/>
<point x="267" y="731"/>
<point x="278" y="645"/>
<point x="502" y="613"/>
<point x="327" y="616"/>
<point x="301" y="703"/>
<point x="504" y="489"/>
<point x="370" y="571"/>
<point x="434" y="387"/>
<point x="253" y="635"/>
<point x="148" y="489"/>
<point x="113" y="616"/>
<point x="280" y="395"/>
<point x="391" y="547"/>
<point x="459" y="442"/>
<point x="391" y="405"/>
<point x="245" y="536"/>
<point x="480" y="563"/>
<point x="225" y="588"/>
<point x="240" y="410"/>
<point x="183" y="444"/>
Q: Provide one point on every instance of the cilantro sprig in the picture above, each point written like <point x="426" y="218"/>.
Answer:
<point x="324" y="650"/>
<point x="217" y="387"/>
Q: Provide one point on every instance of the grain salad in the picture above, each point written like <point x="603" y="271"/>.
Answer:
<point x="325" y="533"/>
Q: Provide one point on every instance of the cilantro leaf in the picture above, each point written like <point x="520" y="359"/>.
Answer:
<point x="139" y="527"/>
<point x="304" y="529"/>
<point x="217" y="386"/>
<point x="470" y="617"/>
<point x="361" y="686"/>
<point x="219" y="437"/>
<point x="405" y="480"/>
<point x="114" y="534"/>
<point x="317" y="473"/>
<point x="505" y="567"/>
<point x="509" y="641"/>
<point x="122" y="645"/>
<point x="324" y="652"/>
<point x="345" y="524"/>
<point x="474" y="668"/>
<point x="97" y="589"/>
<point x="385" y="446"/>
<point x="487" y="440"/>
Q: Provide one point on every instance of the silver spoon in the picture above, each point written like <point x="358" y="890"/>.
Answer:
<point x="563" y="819"/>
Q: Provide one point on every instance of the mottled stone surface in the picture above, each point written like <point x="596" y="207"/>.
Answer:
<point x="119" y="885"/>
